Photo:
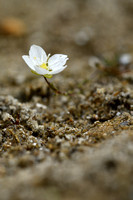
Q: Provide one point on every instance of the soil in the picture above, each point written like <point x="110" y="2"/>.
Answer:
<point x="75" y="146"/>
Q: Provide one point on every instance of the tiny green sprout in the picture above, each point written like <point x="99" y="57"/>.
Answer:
<point x="42" y="64"/>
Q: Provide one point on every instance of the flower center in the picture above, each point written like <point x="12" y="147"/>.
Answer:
<point x="44" y="66"/>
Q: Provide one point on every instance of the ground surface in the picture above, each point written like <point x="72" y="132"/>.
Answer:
<point x="78" y="146"/>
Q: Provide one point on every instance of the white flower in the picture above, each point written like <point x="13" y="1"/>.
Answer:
<point x="41" y="64"/>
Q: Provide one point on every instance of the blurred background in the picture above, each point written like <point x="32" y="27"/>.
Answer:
<point x="63" y="132"/>
<point x="79" y="28"/>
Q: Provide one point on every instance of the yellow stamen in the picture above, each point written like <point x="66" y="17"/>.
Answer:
<point x="44" y="66"/>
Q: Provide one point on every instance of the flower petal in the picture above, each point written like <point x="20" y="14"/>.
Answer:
<point x="59" y="64"/>
<point x="56" y="71"/>
<point x="37" y="52"/>
<point x="41" y="71"/>
<point x="56" y="58"/>
<point x="28" y="62"/>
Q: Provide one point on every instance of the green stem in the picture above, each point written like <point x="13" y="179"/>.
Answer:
<point x="54" y="88"/>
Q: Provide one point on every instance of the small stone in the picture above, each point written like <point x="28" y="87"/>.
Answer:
<point x="94" y="61"/>
<point x="7" y="117"/>
<point x="125" y="59"/>
<point x="39" y="105"/>
<point x="83" y="36"/>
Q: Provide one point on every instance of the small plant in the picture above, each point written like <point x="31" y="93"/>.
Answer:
<point x="42" y="64"/>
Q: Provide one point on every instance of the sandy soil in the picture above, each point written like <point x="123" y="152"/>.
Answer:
<point x="78" y="146"/>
